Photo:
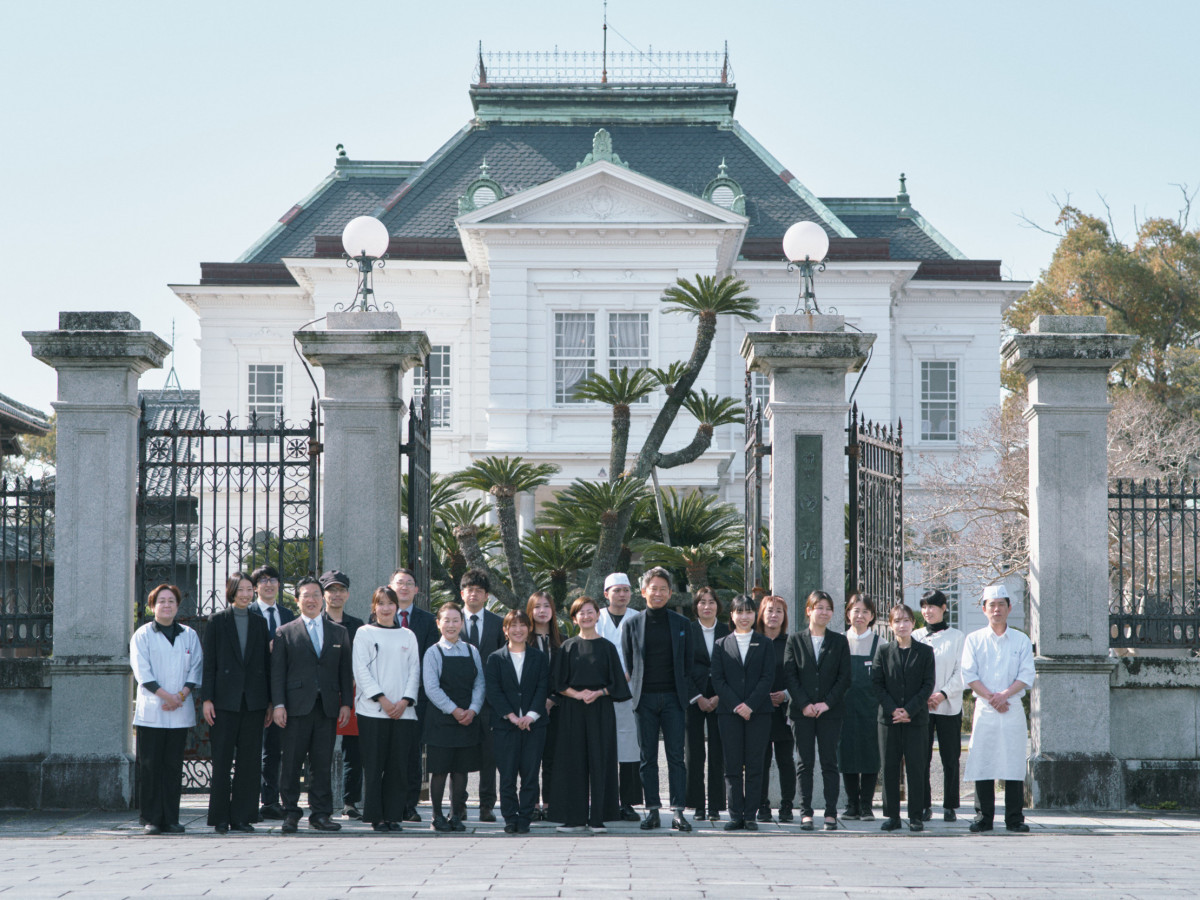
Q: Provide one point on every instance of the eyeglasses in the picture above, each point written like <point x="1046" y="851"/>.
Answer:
<point x="266" y="579"/>
<point x="404" y="584"/>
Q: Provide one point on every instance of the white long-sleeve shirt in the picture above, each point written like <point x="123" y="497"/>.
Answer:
<point x="386" y="661"/>
<point x="154" y="658"/>
<point x="998" y="660"/>
<point x="947" y="647"/>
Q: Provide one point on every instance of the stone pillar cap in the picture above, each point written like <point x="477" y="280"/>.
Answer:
<point x="768" y="350"/>
<point x="365" y="347"/>
<point x="1068" y="342"/>
<point x="98" y="338"/>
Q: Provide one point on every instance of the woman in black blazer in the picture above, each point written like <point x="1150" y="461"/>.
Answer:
<point x="546" y="637"/>
<point x="518" y="679"/>
<point x="903" y="674"/>
<point x="743" y="667"/>
<point x="816" y="668"/>
<point x="702" y="716"/>
<point x="773" y="623"/>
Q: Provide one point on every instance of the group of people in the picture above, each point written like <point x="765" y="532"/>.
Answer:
<point x="572" y="727"/>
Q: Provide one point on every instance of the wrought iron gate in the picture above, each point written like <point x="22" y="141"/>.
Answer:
<point x="415" y="498"/>
<point x="875" y="557"/>
<point x="755" y="451"/>
<point x="213" y="499"/>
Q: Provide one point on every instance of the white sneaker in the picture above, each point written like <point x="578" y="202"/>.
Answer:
<point x="598" y="829"/>
<point x="571" y="829"/>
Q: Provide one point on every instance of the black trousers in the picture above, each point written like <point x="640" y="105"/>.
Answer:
<point x="518" y="754"/>
<point x="905" y="742"/>
<point x="860" y="791"/>
<point x="784" y="748"/>
<point x="160" y="773"/>
<point x="698" y="747"/>
<point x="949" y="737"/>
<point x="629" y="777"/>
<point x="272" y="744"/>
<point x="548" y="756"/>
<point x="352" y="770"/>
<point x="310" y="737"/>
<point x="385" y="746"/>
<point x="235" y="735"/>
<point x="487" y="763"/>
<point x="661" y="712"/>
<point x="1014" y="802"/>
<point x="744" y="743"/>
<point x="819" y="735"/>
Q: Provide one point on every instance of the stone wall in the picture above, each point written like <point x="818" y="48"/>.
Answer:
<point x="24" y="730"/>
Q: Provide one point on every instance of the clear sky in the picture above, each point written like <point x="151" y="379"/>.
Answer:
<point x="141" y="138"/>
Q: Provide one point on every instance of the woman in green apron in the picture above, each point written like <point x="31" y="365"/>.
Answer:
<point x="858" y="753"/>
<point x="452" y="673"/>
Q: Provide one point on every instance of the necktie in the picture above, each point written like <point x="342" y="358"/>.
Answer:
<point x="473" y="634"/>
<point x="314" y="631"/>
<point x="404" y="618"/>
<point x="271" y="619"/>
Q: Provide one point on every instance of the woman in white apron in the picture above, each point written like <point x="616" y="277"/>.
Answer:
<point x="167" y="665"/>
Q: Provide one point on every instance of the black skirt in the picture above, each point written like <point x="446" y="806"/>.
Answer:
<point x="443" y="760"/>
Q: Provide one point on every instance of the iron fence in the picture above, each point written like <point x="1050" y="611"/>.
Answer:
<point x="26" y="567"/>
<point x="589" y="67"/>
<point x="415" y="497"/>
<point x="755" y="450"/>
<point x="1154" y="544"/>
<point x="875" y="557"/>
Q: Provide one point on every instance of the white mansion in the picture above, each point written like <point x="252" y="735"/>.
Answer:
<point x="533" y="252"/>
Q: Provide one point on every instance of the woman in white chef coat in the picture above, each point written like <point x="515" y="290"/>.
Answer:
<point x="998" y="666"/>
<point x="945" y="704"/>
<point x="167" y="665"/>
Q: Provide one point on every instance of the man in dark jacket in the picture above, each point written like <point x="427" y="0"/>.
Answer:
<point x="313" y="689"/>
<point x="336" y="588"/>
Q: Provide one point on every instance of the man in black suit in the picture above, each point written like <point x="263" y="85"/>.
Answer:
<point x="266" y="581"/>
<point x="336" y="588"/>
<point x="424" y="626"/>
<point x="516" y="695"/>
<point x="659" y="663"/>
<point x="236" y="695"/>
<point x="482" y="628"/>
<point x="903" y="674"/>
<point x="312" y="688"/>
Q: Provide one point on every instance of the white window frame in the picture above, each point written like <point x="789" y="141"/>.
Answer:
<point x="602" y="352"/>
<point x="954" y="403"/>
<point x="441" y="407"/>
<point x="254" y="405"/>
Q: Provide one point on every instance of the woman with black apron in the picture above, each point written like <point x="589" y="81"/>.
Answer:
<point x="454" y="683"/>
<point x="858" y="753"/>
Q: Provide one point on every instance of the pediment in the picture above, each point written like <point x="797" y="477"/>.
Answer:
<point x="602" y="194"/>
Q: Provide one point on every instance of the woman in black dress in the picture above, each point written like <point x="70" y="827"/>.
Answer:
<point x="702" y="715"/>
<point x="773" y="623"/>
<point x="587" y="678"/>
<point x="547" y="638"/>
<point x="858" y="753"/>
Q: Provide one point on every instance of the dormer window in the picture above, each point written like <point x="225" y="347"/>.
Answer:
<point x="726" y="193"/>
<point x="480" y="192"/>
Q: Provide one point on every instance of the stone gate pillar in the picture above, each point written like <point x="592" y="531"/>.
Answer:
<point x="98" y="356"/>
<point x="807" y="358"/>
<point x="364" y="355"/>
<point x="1066" y="360"/>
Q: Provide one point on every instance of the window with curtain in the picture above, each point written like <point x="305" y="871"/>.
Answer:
<point x="939" y="401"/>
<point x="629" y="342"/>
<point x="264" y="395"/>
<point x="574" y="353"/>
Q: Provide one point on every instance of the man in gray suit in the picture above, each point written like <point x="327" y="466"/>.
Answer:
<point x="312" y="687"/>
<point x="659" y="663"/>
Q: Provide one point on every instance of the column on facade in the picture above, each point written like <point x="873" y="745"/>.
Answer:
<point x="364" y="355"/>
<point x="98" y="357"/>
<point x="807" y="358"/>
<point x="1066" y="360"/>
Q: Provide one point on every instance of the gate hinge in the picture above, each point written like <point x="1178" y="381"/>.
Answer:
<point x="315" y="447"/>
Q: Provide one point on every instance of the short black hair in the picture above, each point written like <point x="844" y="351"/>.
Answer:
<point x="475" y="578"/>
<point x="307" y="579"/>
<point x="933" y="598"/>
<point x="233" y="583"/>
<point x="268" y="571"/>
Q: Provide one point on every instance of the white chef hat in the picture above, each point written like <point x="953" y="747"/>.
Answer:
<point x="995" y="592"/>
<point x="616" y="579"/>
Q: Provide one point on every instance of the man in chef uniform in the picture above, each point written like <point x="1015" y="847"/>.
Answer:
<point x="997" y="664"/>
<point x="618" y="591"/>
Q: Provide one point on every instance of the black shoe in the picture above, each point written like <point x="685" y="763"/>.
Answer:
<point x="785" y="814"/>
<point x="394" y="826"/>
<point x="272" y="811"/>
<point x="456" y="824"/>
<point x="151" y="829"/>
<point x="651" y="821"/>
<point x="628" y="815"/>
<point x="440" y="823"/>
<point x="486" y="815"/>
<point x="351" y="812"/>
<point x="735" y="825"/>
<point x="412" y="815"/>
<point x="867" y="816"/>
<point x="323" y="823"/>
<point x="221" y="829"/>
<point x="714" y="816"/>
<point x="831" y="824"/>
<point x="949" y="816"/>
<point x="700" y="813"/>
<point x="538" y="815"/>
<point x="1019" y="828"/>
<point x="927" y="814"/>
<point x="916" y="825"/>
<point x="764" y="815"/>
<point x="243" y="827"/>
<point x="679" y="823"/>
<point x="290" y="824"/>
<point x="174" y="829"/>
<point x="523" y="828"/>
<point x="380" y="826"/>
<point x="751" y="825"/>
<point x="978" y="827"/>
<point x="850" y="815"/>
<point x="890" y="825"/>
<point x="510" y="828"/>
<point x="806" y="824"/>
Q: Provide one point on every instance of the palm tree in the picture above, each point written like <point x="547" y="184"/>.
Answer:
<point x="619" y="390"/>
<point x="553" y="560"/>
<point x="584" y="507"/>
<point x="696" y="561"/>
<point x="504" y="477"/>
<point x="455" y="528"/>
